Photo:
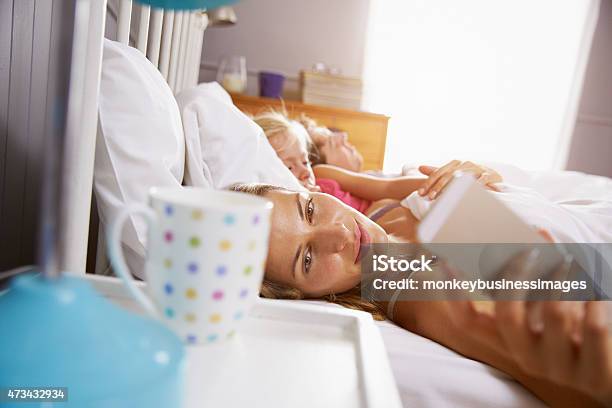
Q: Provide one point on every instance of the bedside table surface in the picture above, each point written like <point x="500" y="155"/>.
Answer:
<point x="287" y="354"/>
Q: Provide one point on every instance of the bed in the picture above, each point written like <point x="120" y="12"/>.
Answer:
<point x="426" y="373"/>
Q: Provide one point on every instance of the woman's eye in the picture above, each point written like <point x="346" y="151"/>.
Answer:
<point x="290" y="167"/>
<point x="309" y="210"/>
<point x="307" y="260"/>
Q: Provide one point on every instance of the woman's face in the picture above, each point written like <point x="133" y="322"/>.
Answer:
<point x="337" y="150"/>
<point x="294" y="155"/>
<point x="315" y="242"/>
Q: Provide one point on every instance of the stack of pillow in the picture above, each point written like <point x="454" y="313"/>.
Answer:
<point x="147" y="138"/>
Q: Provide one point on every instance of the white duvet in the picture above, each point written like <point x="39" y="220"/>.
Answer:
<point x="573" y="207"/>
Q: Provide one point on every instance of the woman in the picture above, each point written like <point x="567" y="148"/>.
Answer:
<point x="314" y="253"/>
<point x="373" y="196"/>
<point x="331" y="147"/>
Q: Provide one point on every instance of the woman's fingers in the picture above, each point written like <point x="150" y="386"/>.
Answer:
<point x="440" y="184"/>
<point x="511" y="320"/>
<point x="440" y="177"/>
<point x="488" y="180"/>
<point x="427" y="170"/>
<point x="435" y="176"/>
<point x="544" y="233"/>
<point x="520" y="267"/>
<point x="556" y="342"/>
<point x="475" y="322"/>
<point x="595" y="370"/>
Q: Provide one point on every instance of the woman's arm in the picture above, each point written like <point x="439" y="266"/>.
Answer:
<point x="377" y="188"/>
<point x="432" y="319"/>
<point x="370" y="187"/>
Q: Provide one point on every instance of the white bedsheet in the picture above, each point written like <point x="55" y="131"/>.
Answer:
<point x="430" y="375"/>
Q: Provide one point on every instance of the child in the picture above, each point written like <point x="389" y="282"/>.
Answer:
<point x="370" y="195"/>
<point x="331" y="146"/>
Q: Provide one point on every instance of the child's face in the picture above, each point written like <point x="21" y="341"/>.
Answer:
<point x="337" y="151"/>
<point x="294" y="155"/>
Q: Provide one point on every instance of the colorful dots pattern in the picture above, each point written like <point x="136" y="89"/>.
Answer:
<point x="229" y="219"/>
<point x="192" y="267"/>
<point x="225" y="245"/>
<point x="191" y="293"/>
<point x="194" y="242"/>
<point x="221" y="270"/>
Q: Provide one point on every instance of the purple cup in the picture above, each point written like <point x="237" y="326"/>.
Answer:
<point x="271" y="84"/>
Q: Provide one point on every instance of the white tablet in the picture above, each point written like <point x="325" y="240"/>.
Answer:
<point x="467" y="213"/>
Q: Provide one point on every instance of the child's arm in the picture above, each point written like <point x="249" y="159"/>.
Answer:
<point x="370" y="187"/>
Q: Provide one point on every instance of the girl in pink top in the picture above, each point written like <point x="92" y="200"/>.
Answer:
<point x="370" y="195"/>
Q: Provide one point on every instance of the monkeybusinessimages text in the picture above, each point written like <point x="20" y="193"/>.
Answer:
<point x="384" y="264"/>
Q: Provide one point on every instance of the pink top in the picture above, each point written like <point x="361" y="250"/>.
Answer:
<point x="332" y="187"/>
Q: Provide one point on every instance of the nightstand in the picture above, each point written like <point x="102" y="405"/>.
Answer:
<point x="366" y="130"/>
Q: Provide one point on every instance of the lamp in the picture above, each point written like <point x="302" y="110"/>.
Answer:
<point x="187" y="4"/>
<point x="221" y="17"/>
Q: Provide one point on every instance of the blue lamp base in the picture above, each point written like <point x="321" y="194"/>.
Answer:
<point x="187" y="4"/>
<point x="62" y="333"/>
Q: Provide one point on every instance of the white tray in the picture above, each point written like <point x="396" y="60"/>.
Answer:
<point x="287" y="354"/>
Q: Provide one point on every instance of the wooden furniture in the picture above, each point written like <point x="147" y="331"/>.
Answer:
<point x="367" y="131"/>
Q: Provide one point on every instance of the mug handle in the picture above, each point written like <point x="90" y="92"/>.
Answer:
<point x="115" y="253"/>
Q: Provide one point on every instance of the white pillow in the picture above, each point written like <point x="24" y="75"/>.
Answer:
<point x="140" y="143"/>
<point x="224" y="144"/>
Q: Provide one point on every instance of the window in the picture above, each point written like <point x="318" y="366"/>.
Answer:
<point x="478" y="79"/>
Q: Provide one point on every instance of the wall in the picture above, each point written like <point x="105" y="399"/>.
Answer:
<point x="289" y="35"/>
<point x="28" y="37"/>
<point x="591" y="146"/>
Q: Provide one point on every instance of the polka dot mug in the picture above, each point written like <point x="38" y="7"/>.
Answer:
<point x="206" y="253"/>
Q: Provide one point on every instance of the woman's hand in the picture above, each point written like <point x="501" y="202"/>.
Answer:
<point x="568" y="348"/>
<point x="563" y="342"/>
<point x="439" y="177"/>
<point x="313" y="188"/>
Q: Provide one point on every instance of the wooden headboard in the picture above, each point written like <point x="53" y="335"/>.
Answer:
<point x="367" y="131"/>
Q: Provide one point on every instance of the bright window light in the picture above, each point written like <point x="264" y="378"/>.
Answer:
<point x="478" y="80"/>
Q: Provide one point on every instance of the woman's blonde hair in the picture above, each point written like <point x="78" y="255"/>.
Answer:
<point x="351" y="299"/>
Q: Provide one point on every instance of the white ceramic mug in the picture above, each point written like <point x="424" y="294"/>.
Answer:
<point x="206" y="254"/>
